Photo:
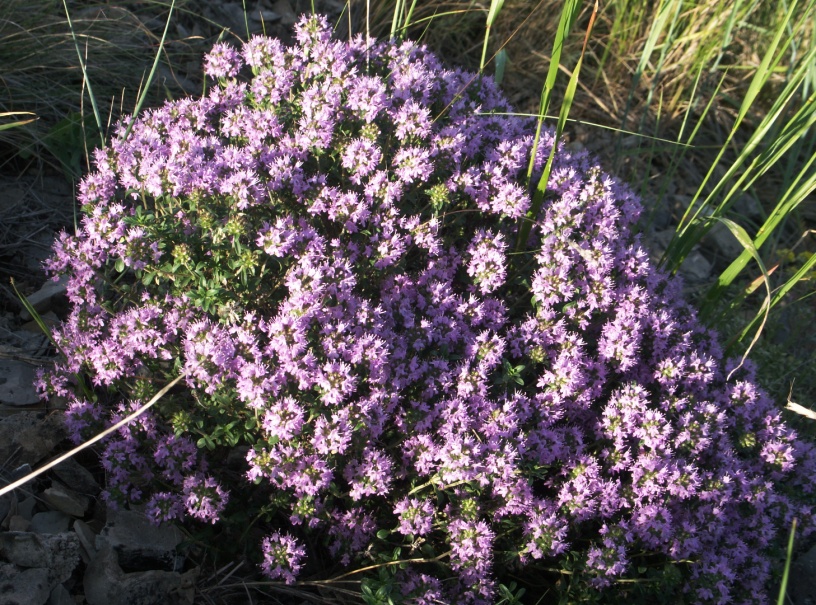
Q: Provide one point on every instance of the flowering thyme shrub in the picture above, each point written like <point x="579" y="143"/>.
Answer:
<point x="324" y="250"/>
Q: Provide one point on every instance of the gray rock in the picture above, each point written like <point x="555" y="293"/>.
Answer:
<point x="138" y="543"/>
<point x="23" y="587"/>
<point x="60" y="596"/>
<point x="20" y="472"/>
<point x="287" y="14"/>
<point x="43" y="299"/>
<point x="232" y="13"/>
<point x="66" y="500"/>
<point x="77" y="477"/>
<point x="106" y="584"/>
<point x="18" y="523"/>
<point x="696" y="268"/>
<point x="723" y="241"/>
<point x="265" y="16"/>
<point x="802" y="582"/>
<point x="87" y="537"/>
<point x="658" y="241"/>
<point x="5" y="506"/>
<point x="27" y="438"/>
<point x="58" y="554"/>
<point x="26" y="508"/>
<point x="50" y="319"/>
<point x="747" y="206"/>
<point x="50" y="522"/>
<point x="17" y="383"/>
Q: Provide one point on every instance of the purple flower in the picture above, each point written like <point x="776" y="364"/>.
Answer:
<point x="487" y="265"/>
<point x="223" y="61"/>
<point x="283" y="557"/>
<point x="320" y="245"/>
<point x="205" y="499"/>
<point x="369" y="476"/>
<point x="416" y="516"/>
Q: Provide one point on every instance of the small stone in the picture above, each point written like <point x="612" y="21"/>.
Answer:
<point x="802" y="584"/>
<point x="60" y="596"/>
<point x="19" y="523"/>
<point x="43" y="299"/>
<point x="138" y="543"/>
<point x="50" y="522"/>
<point x="265" y="16"/>
<point x="5" y="506"/>
<point x="26" y="508"/>
<point x="80" y="479"/>
<point x="20" y="472"/>
<point x="287" y="14"/>
<point x="58" y="554"/>
<point x="87" y="537"/>
<point x="28" y="586"/>
<point x="26" y="437"/>
<point x="696" y="268"/>
<point x="67" y="501"/>
<point x="233" y="14"/>
<point x="723" y="241"/>
<point x="747" y="206"/>
<point x="17" y="383"/>
<point x="106" y="583"/>
<point x="50" y="319"/>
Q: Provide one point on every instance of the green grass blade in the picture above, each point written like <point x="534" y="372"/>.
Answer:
<point x="84" y="69"/>
<point x="410" y="14"/>
<point x="692" y="227"/>
<point x="47" y="331"/>
<point x="152" y="74"/>
<point x="783" y="588"/>
<point x="764" y="69"/>
<point x="803" y="271"/>
<point x="569" y="14"/>
<point x="18" y="123"/>
<point x="745" y="240"/>
<point x="797" y="193"/>
<point x="35" y="316"/>
<point x="495" y="9"/>
<point x="761" y="76"/>
<point x="501" y="66"/>
<point x="396" y="20"/>
<point x="664" y="11"/>
<point x="727" y="34"/>
<point x="430" y="18"/>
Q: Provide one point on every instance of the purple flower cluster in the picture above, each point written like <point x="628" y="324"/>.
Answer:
<point x="283" y="557"/>
<point x="322" y="248"/>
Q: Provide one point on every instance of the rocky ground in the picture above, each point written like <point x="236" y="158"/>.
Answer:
<point x="59" y="544"/>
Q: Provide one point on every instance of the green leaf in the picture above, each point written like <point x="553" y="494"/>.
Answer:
<point x="383" y="534"/>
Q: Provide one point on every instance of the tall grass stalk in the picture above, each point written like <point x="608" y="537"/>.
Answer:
<point x="86" y="81"/>
<point x="17" y="123"/>
<point x="745" y="241"/>
<point x="492" y="14"/>
<point x="667" y="15"/>
<point x="692" y="228"/>
<point x="783" y="589"/>
<point x="152" y="74"/>
<point x="569" y="14"/>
